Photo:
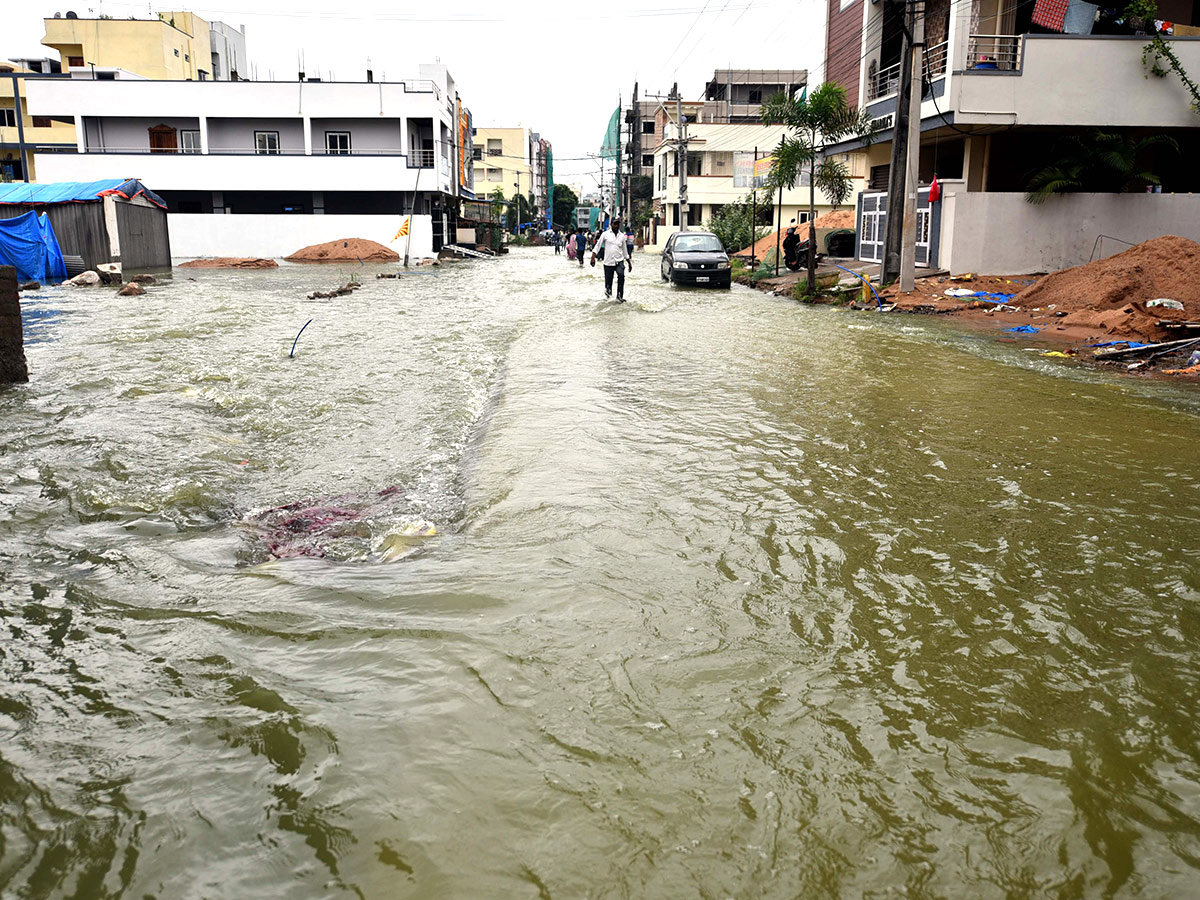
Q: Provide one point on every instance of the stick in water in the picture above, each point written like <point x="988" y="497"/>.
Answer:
<point x="300" y="332"/>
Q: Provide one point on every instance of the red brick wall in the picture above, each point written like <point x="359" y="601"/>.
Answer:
<point x="843" y="46"/>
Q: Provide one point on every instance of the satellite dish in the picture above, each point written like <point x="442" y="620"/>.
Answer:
<point x="71" y="14"/>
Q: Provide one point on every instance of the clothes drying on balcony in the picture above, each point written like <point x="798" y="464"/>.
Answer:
<point x="28" y="242"/>
<point x="1050" y="13"/>
<point x="1080" y="17"/>
<point x="76" y="192"/>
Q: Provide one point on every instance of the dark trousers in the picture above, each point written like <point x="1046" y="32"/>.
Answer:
<point x="619" y="268"/>
<point x="557" y="249"/>
<point x="579" y="255"/>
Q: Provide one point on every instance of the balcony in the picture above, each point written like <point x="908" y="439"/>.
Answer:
<point x="886" y="81"/>
<point x="1072" y="80"/>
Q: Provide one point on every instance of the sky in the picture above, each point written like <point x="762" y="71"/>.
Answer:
<point x="557" y="68"/>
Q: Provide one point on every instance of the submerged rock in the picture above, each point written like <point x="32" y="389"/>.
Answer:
<point x="84" y="279"/>
<point x="131" y="290"/>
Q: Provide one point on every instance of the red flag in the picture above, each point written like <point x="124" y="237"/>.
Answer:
<point x="935" y="191"/>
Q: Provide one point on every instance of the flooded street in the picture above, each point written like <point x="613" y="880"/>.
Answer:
<point x="728" y="597"/>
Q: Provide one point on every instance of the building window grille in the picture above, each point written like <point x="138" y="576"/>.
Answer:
<point x="647" y="160"/>
<point x="337" y="143"/>
<point x="756" y="95"/>
<point x="266" y="142"/>
<point x="476" y="153"/>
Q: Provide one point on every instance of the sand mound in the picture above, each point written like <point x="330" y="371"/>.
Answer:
<point x="230" y="262"/>
<point x="839" y="218"/>
<point x="1111" y="293"/>
<point x="1167" y="266"/>
<point x="345" y="250"/>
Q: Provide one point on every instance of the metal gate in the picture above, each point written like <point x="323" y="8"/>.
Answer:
<point x="872" y="227"/>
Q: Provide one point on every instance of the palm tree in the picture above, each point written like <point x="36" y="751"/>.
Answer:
<point x="1096" y="162"/>
<point x="815" y="120"/>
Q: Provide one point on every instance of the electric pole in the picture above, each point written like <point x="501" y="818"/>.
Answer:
<point x="908" y="251"/>
<point x="681" y="158"/>
<point x="894" y="222"/>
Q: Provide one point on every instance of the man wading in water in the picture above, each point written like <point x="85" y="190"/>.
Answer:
<point x="610" y="247"/>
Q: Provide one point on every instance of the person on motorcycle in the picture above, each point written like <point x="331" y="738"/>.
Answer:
<point x="791" y="245"/>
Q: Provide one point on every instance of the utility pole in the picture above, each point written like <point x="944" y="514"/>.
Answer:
<point x="681" y="158"/>
<point x="894" y="224"/>
<point x="753" y="210"/>
<point x="908" y="251"/>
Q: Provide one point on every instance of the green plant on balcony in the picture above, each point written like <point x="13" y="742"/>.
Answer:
<point x="1158" y="51"/>
<point x="1096" y="162"/>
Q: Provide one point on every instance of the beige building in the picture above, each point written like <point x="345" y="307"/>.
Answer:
<point x="38" y="133"/>
<point x="173" y="47"/>
<point x="503" y="158"/>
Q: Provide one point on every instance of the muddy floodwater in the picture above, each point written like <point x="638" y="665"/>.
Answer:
<point x="704" y="595"/>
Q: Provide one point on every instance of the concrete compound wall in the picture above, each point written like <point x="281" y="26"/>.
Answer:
<point x="196" y="235"/>
<point x="999" y="233"/>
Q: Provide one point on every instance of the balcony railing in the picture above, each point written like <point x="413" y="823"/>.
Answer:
<point x="887" y="80"/>
<point x="994" y="52"/>
<point x="420" y="159"/>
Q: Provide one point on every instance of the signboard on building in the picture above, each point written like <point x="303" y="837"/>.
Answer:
<point x="466" y="153"/>
<point x="749" y="172"/>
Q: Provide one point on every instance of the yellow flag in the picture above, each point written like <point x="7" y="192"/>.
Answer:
<point x="403" y="229"/>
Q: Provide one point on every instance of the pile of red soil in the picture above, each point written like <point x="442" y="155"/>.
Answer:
<point x="230" y="262"/>
<point x="1111" y="294"/>
<point x="345" y="250"/>
<point x="839" y="218"/>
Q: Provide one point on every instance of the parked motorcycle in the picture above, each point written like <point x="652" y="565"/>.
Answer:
<point x="795" y="251"/>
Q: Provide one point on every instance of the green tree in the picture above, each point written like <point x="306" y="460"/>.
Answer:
<point x="734" y="226"/>
<point x="814" y="121"/>
<point x="1096" y="162"/>
<point x="565" y="201"/>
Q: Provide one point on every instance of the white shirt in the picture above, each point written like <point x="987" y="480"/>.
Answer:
<point x="614" y="248"/>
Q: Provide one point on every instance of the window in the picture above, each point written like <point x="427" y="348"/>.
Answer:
<point x="266" y="142"/>
<point x="647" y="160"/>
<point x="8" y="118"/>
<point x="648" y="127"/>
<point x="476" y="153"/>
<point x="176" y="52"/>
<point x="190" y="141"/>
<point x="106" y="76"/>
<point x="478" y="175"/>
<point x="190" y="206"/>
<point x="879" y="177"/>
<point x="187" y="57"/>
<point x="693" y="213"/>
<point x="756" y="95"/>
<point x="494" y="174"/>
<point x="337" y="143"/>
<point x="41" y="122"/>
<point x="75" y="62"/>
<point x="495" y="147"/>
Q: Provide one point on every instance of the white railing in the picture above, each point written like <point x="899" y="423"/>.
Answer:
<point x="887" y="80"/>
<point x="994" y="51"/>
<point x="420" y="159"/>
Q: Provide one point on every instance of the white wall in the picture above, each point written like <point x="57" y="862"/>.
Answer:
<point x="133" y="133"/>
<point x="195" y="172"/>
<point x="225" y="134"/>
<point x="1001" y="234"/>
<point x="196" y="235"/>
<point x="1080" y="80"/>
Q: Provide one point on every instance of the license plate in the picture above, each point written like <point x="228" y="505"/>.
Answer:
<point x="700" y="278"/>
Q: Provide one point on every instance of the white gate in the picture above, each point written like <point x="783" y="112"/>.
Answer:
<point x="872" y="227"/>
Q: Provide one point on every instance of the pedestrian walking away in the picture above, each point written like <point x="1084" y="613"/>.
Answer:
<point x="610" y="247"/>
<point x="557" y="243"/>
<point x="580" y="246"/>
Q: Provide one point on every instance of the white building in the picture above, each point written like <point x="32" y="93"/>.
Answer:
<point x="1001" y="94"/>
<point x="264" y="168"/>
<point x="229" y="62"/>
<point x="721" y="163"/>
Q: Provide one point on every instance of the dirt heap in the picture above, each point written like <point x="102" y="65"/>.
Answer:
<point x="1111" y="294"/>
<point x="345" y="250"/>
<point x="230" y="262"/>
<point x="839" y="218"/>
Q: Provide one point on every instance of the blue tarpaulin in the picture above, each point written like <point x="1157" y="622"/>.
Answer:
<point x="76" y="192"/>
<point x="28" y="242"/>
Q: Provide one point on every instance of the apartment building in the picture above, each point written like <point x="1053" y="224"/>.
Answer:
<point x="1004" y="84"/>
<point x="513" y="159"/>
<point x="737" y="95"/>
<point x="23" y="136"/>
<point x="263" y="168"/>
<point x="174" y="46"/>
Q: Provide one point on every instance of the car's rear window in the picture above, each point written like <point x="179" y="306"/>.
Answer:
<point x="698" y="242"/>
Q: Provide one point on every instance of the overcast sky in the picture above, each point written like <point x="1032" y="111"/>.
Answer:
<point x="558" y="68"/>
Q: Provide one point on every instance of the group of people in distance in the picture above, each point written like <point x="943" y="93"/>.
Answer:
<point x="612" y="247"/>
